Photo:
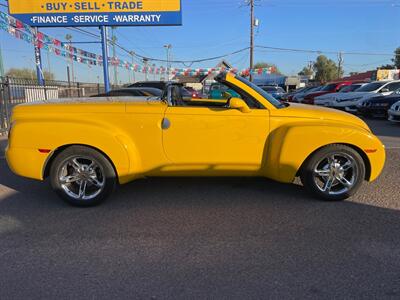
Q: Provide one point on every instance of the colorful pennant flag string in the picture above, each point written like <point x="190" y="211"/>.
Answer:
<point x="45" y="42"/>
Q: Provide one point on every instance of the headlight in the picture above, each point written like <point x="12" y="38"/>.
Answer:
<point x="351" y="99"/>
<point x="394" y="106"/>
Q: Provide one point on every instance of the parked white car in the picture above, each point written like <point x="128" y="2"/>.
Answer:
<point x="350" y="101"/>
<point x="329" y="99"/>
<point x="394" y="112"/>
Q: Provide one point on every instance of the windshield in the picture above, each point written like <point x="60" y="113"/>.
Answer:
<point x="263" y="93"/>
<point x="316" y="89"/>
<point x="355" y="87"/>
<point x="329" y="87"/>
<point x="345" y="89"/>
<point x="371" y="87"/>
<point x="269" y="88"/>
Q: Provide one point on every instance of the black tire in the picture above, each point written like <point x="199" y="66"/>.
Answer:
<point x="100" y="179"/>
<point x="310" y="178"/>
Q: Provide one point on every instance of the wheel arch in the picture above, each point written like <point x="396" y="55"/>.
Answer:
<point x="363" y="155"/>
<point x="49" y="161"/>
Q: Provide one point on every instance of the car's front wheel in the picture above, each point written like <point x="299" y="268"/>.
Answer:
<point x="82" y="176"/>
<point x="334" y="172"/>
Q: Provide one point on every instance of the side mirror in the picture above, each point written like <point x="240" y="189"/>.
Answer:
<point x="239" y="104"/>
<point x="385" y="90"/>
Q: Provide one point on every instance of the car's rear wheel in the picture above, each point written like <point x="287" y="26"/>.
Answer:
<point x="333" y="173"/>
<point x="82" y="176"/>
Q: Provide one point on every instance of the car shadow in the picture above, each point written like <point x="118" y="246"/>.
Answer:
<point x="383" y="127"/>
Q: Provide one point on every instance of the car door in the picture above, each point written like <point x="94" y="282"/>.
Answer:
<point x="215" y="139"/>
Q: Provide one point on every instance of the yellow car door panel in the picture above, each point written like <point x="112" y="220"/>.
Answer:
<point x="215" y="139"/>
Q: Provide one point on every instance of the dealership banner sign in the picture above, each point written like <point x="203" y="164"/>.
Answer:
<point x="61" y="13"/>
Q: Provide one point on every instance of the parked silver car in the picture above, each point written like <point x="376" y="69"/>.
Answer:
<point x="394" y="113"/>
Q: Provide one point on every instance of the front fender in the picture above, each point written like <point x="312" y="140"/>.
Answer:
<point x="290" y="145"/>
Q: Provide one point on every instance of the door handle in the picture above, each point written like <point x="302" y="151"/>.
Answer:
<point x="165" y="124"/>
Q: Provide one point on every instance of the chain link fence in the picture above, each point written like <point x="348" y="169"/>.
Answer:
<point x="14" y="91"/>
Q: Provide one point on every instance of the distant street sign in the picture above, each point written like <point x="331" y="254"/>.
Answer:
<point x="62" y="13"/>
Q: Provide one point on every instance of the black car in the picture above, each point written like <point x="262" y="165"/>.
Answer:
<point x="152" y="84"/>
<point x="133" y="92"/>
<point x="160" y="85"/>
<point x="378" y="106"/>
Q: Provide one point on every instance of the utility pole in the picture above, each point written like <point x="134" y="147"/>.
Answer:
<point x="251" y="3"/>
<point x="68" y="37"/>
<point x="168" y="48"/>
<point x="340" y="64"/>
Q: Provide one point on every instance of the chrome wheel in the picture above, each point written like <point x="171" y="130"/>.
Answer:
<point x="336" y="174"/>
<point x="81" y="178"/>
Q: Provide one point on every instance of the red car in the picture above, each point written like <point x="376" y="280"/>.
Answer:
<point x="195" y="94"/>
<point x="327" y="89"/>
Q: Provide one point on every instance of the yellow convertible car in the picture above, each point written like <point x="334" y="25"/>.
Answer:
<point x="88" y="146"/>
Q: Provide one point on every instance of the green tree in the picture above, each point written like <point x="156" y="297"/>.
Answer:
<point x="28" y="74"/>
<point x="326" y="69"/>
<point x="387" y="67"/>
<point x="263" y="65"/>
<point x="307" y="71"/>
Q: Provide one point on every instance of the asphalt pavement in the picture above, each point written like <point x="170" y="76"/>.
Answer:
<point x="189" y="238"/>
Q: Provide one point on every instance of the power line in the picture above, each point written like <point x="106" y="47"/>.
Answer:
<point x="182" y="61"/>
<point x="326" y="52"/>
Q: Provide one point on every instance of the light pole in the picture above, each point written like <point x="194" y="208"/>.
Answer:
<point x="68" y="37"/>
<point x="154" y="71"/>
<point x="114" y="53"/>
<point x="132" y="53"/>
<point x="251" y="38"/>
<point x="168" y="48"/>
<point x="146" y="71"/>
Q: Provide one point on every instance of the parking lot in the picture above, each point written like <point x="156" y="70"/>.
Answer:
<point x="183" y="238"/>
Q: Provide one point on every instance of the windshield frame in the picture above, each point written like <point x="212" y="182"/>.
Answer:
<point x="268" y="97"/>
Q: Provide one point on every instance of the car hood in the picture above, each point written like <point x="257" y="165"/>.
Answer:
<point x="329" y="96"/>
<point x="316" y="94"/>
<point x="302" y="111"/>
<point x="393" y="97"/>
<point x="390" y="100"/>
<point x="354" y="95"/>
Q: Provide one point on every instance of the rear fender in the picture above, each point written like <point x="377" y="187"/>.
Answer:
<point x="55" y="135"/>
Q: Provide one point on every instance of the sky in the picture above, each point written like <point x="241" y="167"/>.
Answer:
<point x="218" y="27"/>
